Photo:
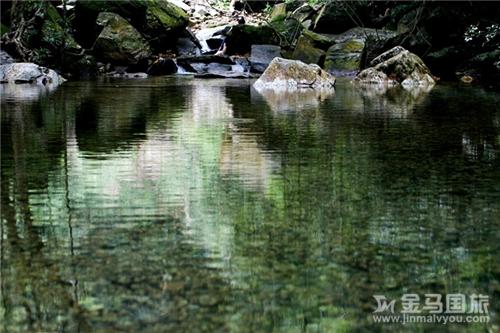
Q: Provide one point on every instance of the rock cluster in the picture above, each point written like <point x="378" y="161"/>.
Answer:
<point x="397" y="66"/>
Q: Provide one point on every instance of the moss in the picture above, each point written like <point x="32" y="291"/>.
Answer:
<point x="3" y="29"/>
<point x="343" y="62"/>
<point x="306" y="52"/>
<point x="318" y="40"/>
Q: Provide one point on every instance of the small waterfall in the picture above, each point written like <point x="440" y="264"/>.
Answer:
<point x="181" y="70"/>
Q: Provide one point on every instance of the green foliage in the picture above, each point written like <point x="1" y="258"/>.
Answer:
<point x="3" y="29"/>
<point x="482" y="37"/>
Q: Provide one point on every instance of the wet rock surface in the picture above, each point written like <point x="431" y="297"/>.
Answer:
<point x="284" y="73"/>
<point x="29" y="73"/>
<point x="397" y="66"/>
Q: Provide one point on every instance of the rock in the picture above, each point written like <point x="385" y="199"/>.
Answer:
<point x="186" y="47"/>
<point x="25" y="72"/>
<point x="467" y="79"/>
<point x="262" y="55"/>
<point x="119" y="42"/>
<point x="206" y="59"/>
<point x="319" y="41"/>
<point x="349" y="59"/>
<point x="372" y="76"/>
<point x="180" y="4"/>
<point x="216" y="66"/>
<point x="395" y="66"/>
<point x="279" y="11"/>
<point x="5" y="58"/>
<point x="362" y="34"/>
<point x="125" y="75"/>
<point x="243" y="36"/>
<point x="304" y="13"/>
<point x="163" y="66"/>
<point x="159" y="22"/>
<point x="344" y="57"/>
<point x="212" y="34"/>
<point x="306" y="52"/>
<point x="284" y="73"/>
<point x="311" y="48"/>
<point x="220" y="70"/>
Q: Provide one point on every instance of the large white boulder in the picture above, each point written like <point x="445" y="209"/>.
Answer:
<point x="284" y="73"/>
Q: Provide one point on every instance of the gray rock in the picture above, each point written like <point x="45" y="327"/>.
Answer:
<point x="220" y="70"/>
<point x="5" y="58"/>
<point x="186" y="47"/>
<point x="262" y="55"/>
<point x="25" y="72"/>
<point x="284" y="73"/>
<point x="209" y="34"/>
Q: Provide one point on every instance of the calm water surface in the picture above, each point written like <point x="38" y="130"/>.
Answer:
<point x="185" y="205"/>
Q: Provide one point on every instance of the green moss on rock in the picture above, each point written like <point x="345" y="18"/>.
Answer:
<point x="306" y="51"/>
<point x="119" y="41"/>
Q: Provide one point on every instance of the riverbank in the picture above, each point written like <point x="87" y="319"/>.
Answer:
<point x="85" y="39"/>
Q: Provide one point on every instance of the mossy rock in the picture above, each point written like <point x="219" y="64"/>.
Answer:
<point x="279" y="11"/>
<point x="119" y="42"/>
<point x="317" y="40"/>
<point x="158" y="21"/>
<point x="343" y="62"/>
<point x="344" y="56"/>
<point x="306" y="52"/>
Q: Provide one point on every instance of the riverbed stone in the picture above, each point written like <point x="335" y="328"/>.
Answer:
<point x="284" y="73"/>
<point x="397" y="66"/>
<point x="5" y="58"/>
<point x="26" y="72"/>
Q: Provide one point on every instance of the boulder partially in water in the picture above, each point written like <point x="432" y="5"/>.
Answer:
<point x="284" y="73"/>
<point x="397" y="66"/>
<point x="30" y="73"/>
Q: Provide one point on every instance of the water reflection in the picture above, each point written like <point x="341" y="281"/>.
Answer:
<point x="11" y="91"/>
<point x="293" y="99"/>
<point x="178" y="205"/>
